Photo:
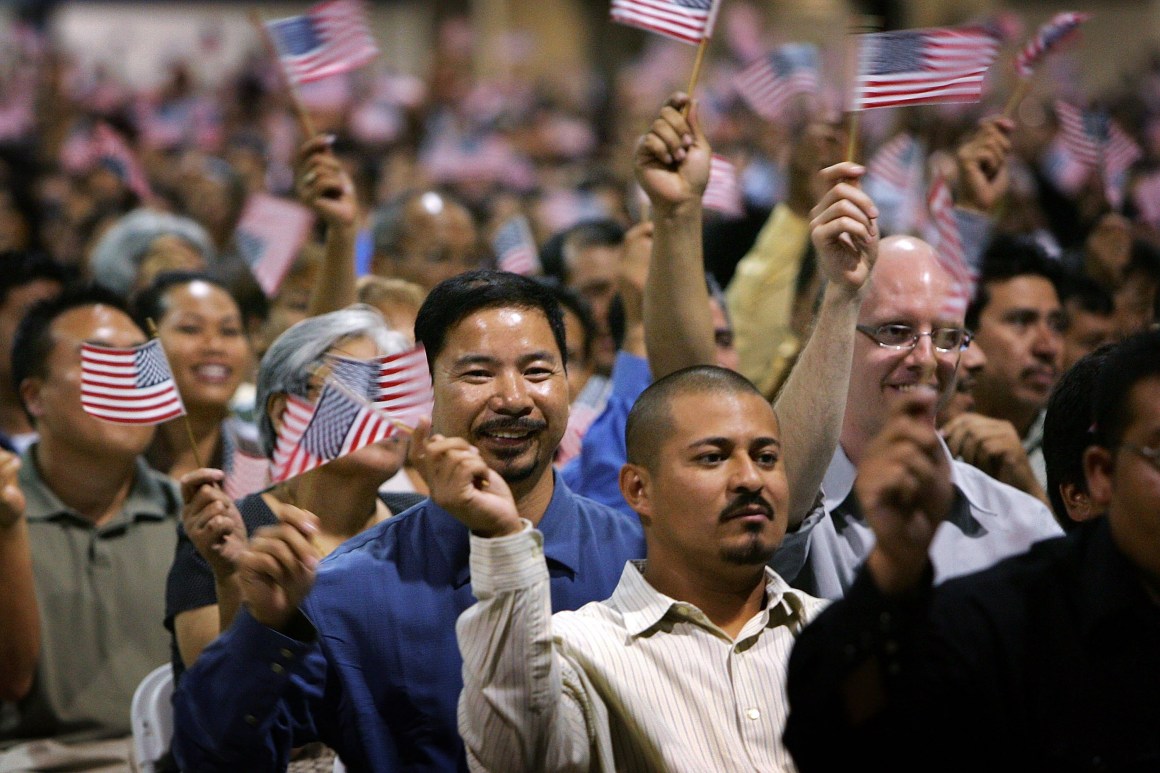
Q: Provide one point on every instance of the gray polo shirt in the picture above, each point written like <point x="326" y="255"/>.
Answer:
<point x="101" y="592"/>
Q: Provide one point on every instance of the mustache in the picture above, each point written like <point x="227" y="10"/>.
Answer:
<point x="744" y="501"/>
<point x="525" y="424"/>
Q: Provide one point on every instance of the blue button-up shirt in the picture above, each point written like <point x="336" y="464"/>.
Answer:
<point x="381" y="683"/>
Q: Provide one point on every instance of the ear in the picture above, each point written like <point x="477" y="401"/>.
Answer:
<point x="1077" y="502"/>
<point x="1098" y="466"/>
<point x="30" y="396"/>
<point x="636" y="488"/>
<point x="275" y="405"/>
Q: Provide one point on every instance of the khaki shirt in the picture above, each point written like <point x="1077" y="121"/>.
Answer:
<point x="101" y="592"/>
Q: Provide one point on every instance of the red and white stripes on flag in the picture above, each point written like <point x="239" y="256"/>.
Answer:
<point x="268" y="236"/>
<point x="245" y="474"/>
<point x="339" y="424"/>
<point x="689" y="21"/>
<point x="770" y="83"/>
<point x="922" y="66"/>
<point x="129" y="386"/>
<point x="1055" y="31"/>
<point x="404" y="390"/>
<point x="515" y="248"/>
<point x="331" y="38"/>
<point x="947" y="242"/>
<point x="723" y="193"/>
<point x="898" y="163"/>
<point x="1094" y="141"/>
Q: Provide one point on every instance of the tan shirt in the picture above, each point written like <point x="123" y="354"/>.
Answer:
<point x="102" y="600"/>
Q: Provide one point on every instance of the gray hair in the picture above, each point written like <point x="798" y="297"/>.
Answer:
<point x="288" y="362"/>
<point x="119" y="253"/>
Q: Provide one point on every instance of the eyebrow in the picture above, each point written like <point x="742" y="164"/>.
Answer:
<point x="760" y="442"/>
<point x="487" y="359"/>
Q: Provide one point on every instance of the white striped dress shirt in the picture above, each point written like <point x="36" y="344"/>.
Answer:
<point x="639" y="682"/>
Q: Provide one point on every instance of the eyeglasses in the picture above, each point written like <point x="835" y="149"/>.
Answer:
<point x="1151" y="454"/>
<point x="899" y="337"/>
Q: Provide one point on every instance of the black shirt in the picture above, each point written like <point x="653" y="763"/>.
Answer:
<point x="1047" y="661"/>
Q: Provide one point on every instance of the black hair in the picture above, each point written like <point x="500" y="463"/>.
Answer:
<point x="453" y="300"/>
<point x="577" y="304"/>
<point x="150" y="302"/>
<point x="1135" y="359"/>
<point x="650" y="417"/>
<point x="1091" y="296"/>
<point x="20" y="268"/>
<point x="32" y="344"/>
<point x="604" y="232"/>
<point x="1006" y="258"/>
<point x="1067" y="428"/>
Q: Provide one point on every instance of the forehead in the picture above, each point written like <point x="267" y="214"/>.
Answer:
<point x="1026" y="291"/>
<point x="501" y="332"/>
<point x="907" y="285"/>
<point x="96" y="323"/>
<point x="1144" y="405"/>
<point x="199" y="294"/>
<point x="739" y="417"/>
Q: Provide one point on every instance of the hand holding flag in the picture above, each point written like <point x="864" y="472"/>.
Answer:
<point x="673" y="159"/>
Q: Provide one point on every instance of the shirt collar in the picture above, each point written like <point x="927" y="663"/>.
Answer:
<point x="642" y="607"/>
<point x="839" y="481"/>
<point x="558" y="526"/>
<point x="1034" y="437"/>
<point x="151" y="498"/>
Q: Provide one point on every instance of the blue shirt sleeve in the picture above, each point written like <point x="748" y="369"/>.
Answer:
<point x="595" y="473"/>
<point x="250" y="697"/>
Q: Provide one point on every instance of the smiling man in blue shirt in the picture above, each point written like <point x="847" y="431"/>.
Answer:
<point x="361" y="654"/>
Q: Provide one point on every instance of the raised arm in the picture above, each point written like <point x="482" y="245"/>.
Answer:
<point x="812" y="403"/>
<point x="19" y="612"/>
<point x="672" y="166"/>
<point x="516" y="711"/>
<point x="324" y="186"/>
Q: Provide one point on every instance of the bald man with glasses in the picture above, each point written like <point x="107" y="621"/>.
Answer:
<point x="910" y="340"/>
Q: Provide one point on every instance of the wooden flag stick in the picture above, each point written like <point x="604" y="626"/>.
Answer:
<point x="305" y="123"/>
<point x="859" y="25"/>
<point x="184" y="414"/>
<point x="701" y="47"/>
<point x="852" y="137"/>
<point x="1016" y="97"/>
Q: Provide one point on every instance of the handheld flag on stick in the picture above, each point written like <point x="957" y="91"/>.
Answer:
<point x="944" y="236"/>
<point x="339" y="424"/>
<point x="689" y="21"/>
<point x="129" y="386"/>
<point x="772" y="81"/>
<point x="723" y="194"/>
<point x="404" y="390"/>
<point x="268" y="236"/>
<point x="922" y="66"/>
<point x="515" y="249"/>
<point x="329" y="39"/>
<point x="1058" y="29"/>
<point x="1094" y="141"/>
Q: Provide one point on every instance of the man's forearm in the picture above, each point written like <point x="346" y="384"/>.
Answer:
<point x="19" y="614"/>
<point x="811" y="405"/>
<point x="678" y="323"/>
<point x="335" y="288"/>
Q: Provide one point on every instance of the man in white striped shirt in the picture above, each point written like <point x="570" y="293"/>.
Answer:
<point x="683" y="667"/>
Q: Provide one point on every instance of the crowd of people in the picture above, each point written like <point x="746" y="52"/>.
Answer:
<point x="776" y="490"/>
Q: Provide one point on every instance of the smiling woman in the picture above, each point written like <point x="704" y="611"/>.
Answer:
<point x="200" y="326"/>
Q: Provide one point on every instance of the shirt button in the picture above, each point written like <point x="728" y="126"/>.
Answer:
<point x="285" y="653"/>
<point x="753" y="714"/>
<point x="250" y="719"/>
<point x="276" y="668"/>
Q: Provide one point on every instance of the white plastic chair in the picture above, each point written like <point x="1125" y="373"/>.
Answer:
<point x="151" y="716"/>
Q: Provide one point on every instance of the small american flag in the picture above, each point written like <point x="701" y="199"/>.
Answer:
<point x="515" y="249"/>
<point x="1119" y="155"/>
<point x="107" y="145"/>
<point x="339" y="424"/>
<point x="403" y="390"/>
<point x="1055" y="31"/>
<point x="268" y="236"/>
<point x="898" y="163"/>
<point x="1094" y="141"/>
<point x="723" y="194"/>
<point x="331" y="38"/>
<point x="689" y="21"/>
<point x="772" y="81"/>
<point x="943" y="235"/>
<point x="129" y="386"/>
<point x="922" y="66"/>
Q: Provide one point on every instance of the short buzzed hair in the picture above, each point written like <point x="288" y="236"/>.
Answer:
<point x="650" y="419"/>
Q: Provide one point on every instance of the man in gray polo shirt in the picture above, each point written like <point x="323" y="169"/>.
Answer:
<point x="86" y="539"/>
